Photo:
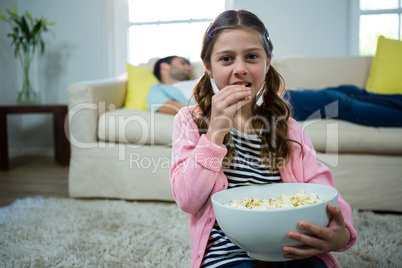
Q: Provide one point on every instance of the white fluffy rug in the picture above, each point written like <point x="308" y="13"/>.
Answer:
<point x="72" y="233"/>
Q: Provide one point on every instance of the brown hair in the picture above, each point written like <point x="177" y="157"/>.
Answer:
<point x="157" y="66"/>
<point x="271" y="116"/>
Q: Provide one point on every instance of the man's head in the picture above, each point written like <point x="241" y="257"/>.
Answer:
<point x="172" y="69"/>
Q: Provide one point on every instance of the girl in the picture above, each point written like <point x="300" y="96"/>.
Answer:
<point x="233" y="138"/>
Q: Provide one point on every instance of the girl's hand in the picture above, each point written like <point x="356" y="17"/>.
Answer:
<point x="224" y="106"/>
<point x="333" y="237"/>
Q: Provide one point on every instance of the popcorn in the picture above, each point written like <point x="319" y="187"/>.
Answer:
<point x="285" y="201"/>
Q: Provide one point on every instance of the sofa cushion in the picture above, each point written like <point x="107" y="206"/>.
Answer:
<point x="139" y="83"/>
<point x="319" y="73"/>
<point x="338" y="136"/>
<point x="136" y="127"/>
<point x="328" y="135"/>
<point x="385" y="76"/>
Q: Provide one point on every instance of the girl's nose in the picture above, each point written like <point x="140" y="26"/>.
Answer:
<point x="240" y="68"/>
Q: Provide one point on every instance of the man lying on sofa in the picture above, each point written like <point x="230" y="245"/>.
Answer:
<point x="350" y="103"/>
<point x="175" y="88"/>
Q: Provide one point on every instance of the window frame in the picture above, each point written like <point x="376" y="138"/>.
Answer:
<point x="355" y="23"/>
<point x="118" y="47"/>
<point x="162" y="22"/>
<point x="158" y="23"/>
<point x="397" y="11"/>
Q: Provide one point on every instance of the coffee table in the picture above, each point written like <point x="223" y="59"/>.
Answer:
<point x="60" y="128"/>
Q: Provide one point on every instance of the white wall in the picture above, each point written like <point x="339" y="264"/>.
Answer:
<point x="78" y="47"/>
<point x="86" y="43"/>
<point x="316" y="28"/>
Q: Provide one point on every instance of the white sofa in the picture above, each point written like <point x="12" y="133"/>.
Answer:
<point x="125" y="153"/>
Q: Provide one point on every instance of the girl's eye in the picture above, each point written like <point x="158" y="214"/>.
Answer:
<point x="226" y="59"/>
<point x="252" y="56"/>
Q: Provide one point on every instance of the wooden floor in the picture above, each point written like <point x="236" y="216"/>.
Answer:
<point x="31" y="176"/>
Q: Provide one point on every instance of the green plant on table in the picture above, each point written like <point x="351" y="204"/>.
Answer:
<point x="26" y="37"/>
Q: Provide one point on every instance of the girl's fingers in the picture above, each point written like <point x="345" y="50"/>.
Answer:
<point x="233" y="93"/>
<point x="323" y="239"/>
<point x="232" y="102"/>
<point x="322" y="232"/>
<point x="234" y="107"/>
<point x="299" y="253"/>
<point x="316" y="242"/>
<point x="336" y="214"/>
<point x="237" y="97"/>
<point x="316" y="230"/>
<point x="312" y="246"/>
<point x="225" y="104"/>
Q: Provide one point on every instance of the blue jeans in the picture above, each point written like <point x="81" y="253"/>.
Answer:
<point x="348" y="103"/>
<point x="312" y="262"/>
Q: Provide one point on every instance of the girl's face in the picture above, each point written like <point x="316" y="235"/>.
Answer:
<point x="238" y="57"/>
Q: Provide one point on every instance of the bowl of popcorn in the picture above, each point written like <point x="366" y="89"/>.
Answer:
<point x="258" y="218"/>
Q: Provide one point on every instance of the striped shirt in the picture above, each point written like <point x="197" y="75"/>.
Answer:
<point x="246" y="168"/>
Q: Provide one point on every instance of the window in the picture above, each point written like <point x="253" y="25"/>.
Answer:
<point x="159" y="28"/>
<point x="378" y="18"/>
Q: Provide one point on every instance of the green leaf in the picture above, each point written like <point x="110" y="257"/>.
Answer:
<point x="36" y="29"/>
<point x="29" y="17"/>
<point x="12" y="12"/>
<point x="25" y="28"/>
<point x="3" y="17"/>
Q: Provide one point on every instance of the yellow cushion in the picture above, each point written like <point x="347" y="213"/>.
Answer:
<point x="386" y="69"/>
<point x="138" y="84"/>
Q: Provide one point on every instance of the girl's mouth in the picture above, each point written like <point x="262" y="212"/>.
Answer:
<point x="245" y="84"/>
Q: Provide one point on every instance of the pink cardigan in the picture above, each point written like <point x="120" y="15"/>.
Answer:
<point x="196" y="174"/>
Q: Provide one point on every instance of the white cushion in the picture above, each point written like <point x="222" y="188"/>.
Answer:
<point x="136" y="126"/>
<point x="338" y="136"/>
<point x="319" y="73"/>
<point x="328" y="135"/>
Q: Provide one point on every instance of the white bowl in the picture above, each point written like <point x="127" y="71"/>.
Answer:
<point x="263" y="233"/>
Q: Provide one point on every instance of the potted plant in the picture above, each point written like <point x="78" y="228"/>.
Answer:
<point x="26" y="36"/>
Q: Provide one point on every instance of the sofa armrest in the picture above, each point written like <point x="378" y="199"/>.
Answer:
<point x="87" y="100"/>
